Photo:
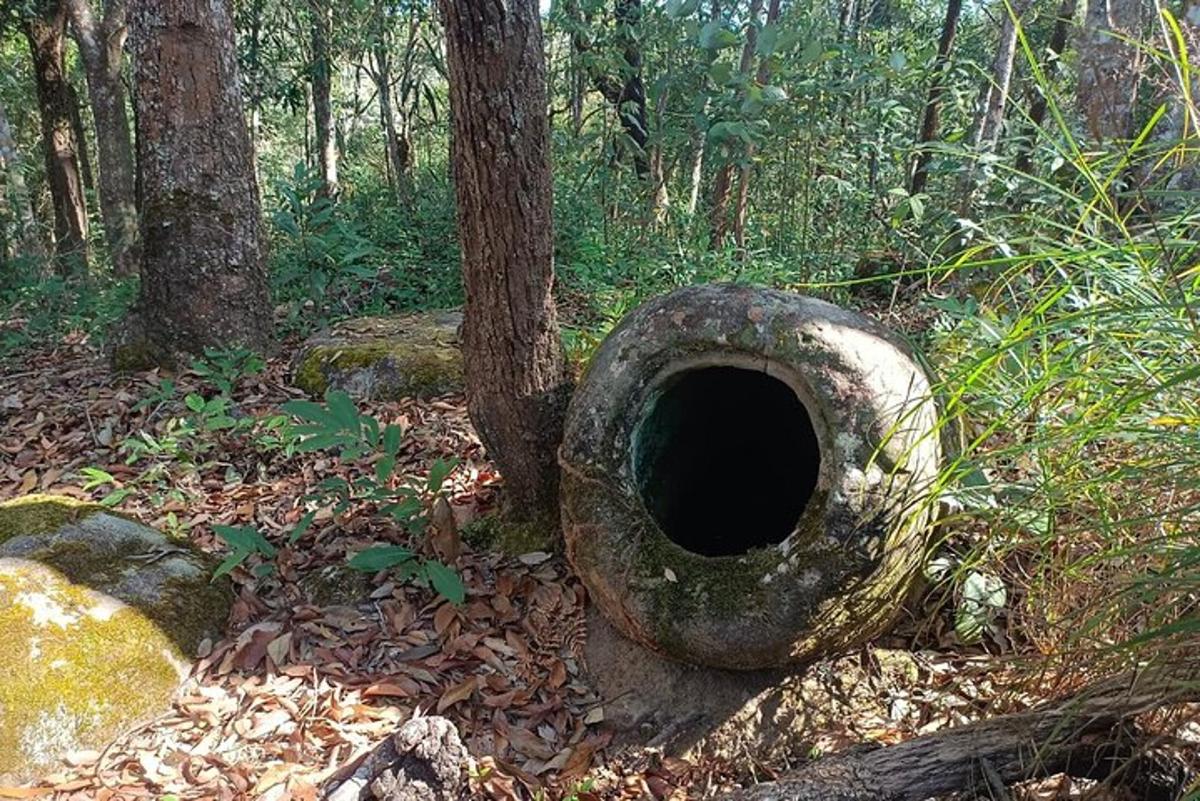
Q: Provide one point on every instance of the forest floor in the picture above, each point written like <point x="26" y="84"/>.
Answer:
<point x="319" y="663"/>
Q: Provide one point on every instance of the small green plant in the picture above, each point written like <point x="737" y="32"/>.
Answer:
<point x="224" y="368"/>
<point x="244" y="542"/>
<point x="337" y="425"/>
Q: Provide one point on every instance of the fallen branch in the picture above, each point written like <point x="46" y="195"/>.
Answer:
<point x="1088" y="734"/>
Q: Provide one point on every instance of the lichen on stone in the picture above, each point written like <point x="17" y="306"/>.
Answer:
<point x="75" y="667"/>
<point x="385" y="358"/>
<point x="98" y="618"/>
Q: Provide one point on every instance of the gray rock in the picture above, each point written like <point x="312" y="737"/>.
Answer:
<point x="384" y="358"/>
<point x="99" y="619"/>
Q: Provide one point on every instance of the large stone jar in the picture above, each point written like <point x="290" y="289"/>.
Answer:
<point x="748" y="476"/>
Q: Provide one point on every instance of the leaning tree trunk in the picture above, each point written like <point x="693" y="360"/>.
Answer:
<point x="743" y="196"/>
<point x="203" y="277"/>
<point x="994" y="100"/>
<point x="46" y="29"/>
<point x="101" y="44"/>
<point x="933" y="104"/>
<point x="517" y="380"/>
<point x="327" y="156"/>
<point x="28" y="240"/>
<point x="723" y="183"/>
<point x="1081" y="736"/>
<point x="1110" y="68"/>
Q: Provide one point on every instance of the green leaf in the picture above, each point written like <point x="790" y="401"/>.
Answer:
<point x="194" y="402"/>
<point x="983" y="595"/>
<point x="714" y="36"/>
<point x="230" y="562"/>
<point x="245" y="538"/>
<point x="441" y="469"/>
<point x="310" y="411"/>
<point x="343" y="409"/>
<point x="447" y="582"/>
<point x="115" y="497"/>
<point x="773" y="94"/>
<point x="380" y="557"/>
<point x="95" y="477"/>
<point x="681" y="8"/>
<point x="898" y="61"/>
<point x="384" y="468"/>
<point x="768" y="38"/>
<point x="302" y="527"/>
<point x="391" y="439"/>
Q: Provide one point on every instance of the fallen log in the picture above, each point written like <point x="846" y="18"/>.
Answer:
<point x="1089" y="734"/>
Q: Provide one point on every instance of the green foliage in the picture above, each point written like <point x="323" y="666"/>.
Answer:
<point x="338" y="426"/>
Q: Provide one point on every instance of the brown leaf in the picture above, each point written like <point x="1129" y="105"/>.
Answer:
<point x="459" y="692"/>
<point x="387" y="689"/>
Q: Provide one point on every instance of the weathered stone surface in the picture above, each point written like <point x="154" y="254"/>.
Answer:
<point x="771" y="715"/>
<point x="859" y="486"/>
<point x="384" y="358"/>
<point x="99" y="617"/>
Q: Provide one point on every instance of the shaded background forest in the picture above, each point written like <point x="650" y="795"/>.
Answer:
<point x="785" y="143"/>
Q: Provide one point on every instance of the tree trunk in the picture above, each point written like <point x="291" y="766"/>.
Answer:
<point x="28" y="240"/>
<point x="46" y="31"/>
<point x="517" y="380"/>
<point x="327" y="155"/>
<point x="1109" y="68"/>
<point x="1076" y="736"/>
<point x="203" y="276"/>
<point x="101" y="45"/>
<point x="719" y="213"/>
<point x="743" y="198"/>
<point x="1037" y="109"/>
<point x="995" y="99"/>
<point x="933" y="104"/>
<point x="399" y="155"/>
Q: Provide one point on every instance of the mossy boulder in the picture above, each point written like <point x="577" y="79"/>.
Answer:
<point x="384" y="358"/>
<point x="99" y="619"/>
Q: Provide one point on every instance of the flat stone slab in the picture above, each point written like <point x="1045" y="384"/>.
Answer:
<point x="770" y="715"/>
<point x="384" y="358"/>
<point x="99" y="620"/>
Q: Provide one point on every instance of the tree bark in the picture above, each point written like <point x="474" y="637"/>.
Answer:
<point x="28" y="239"/>
<point x="1037" y="108"/>
<point x="45" y="30"/>
<point x="933" y="104"/>
<point x="101" y="46"/>
<point x="327" y="155"/>
<point x="723" y="183"/>
<point x="743" y="197"/>
<point x="1075" y="736"/>
<point x="1109" y="68"/>
<point x="203" y="276"/>
<point x="517" y="380"/>
<point x="995" y="99"/>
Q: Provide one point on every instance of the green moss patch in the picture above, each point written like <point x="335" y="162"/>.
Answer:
<point x="384" y="358"/>
<point x="41" y="514"/>
<point x="76" y="667"/>
<point x="511" y="537"/>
